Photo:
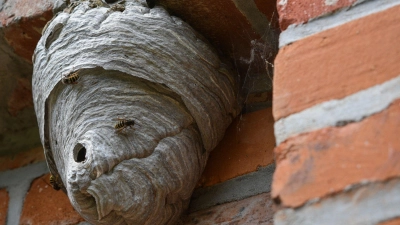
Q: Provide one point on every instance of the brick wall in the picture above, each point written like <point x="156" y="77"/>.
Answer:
<point x="235" y="186"/>
<point x="337" y="113"/>
<point x="27" y="194"/>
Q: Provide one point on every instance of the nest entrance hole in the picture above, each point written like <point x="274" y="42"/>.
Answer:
<point x="79" y="153"/>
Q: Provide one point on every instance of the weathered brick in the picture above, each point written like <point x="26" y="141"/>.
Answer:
<point x="248" y="144"/>
<point x="253" y="210"/>
<point x="337" y="62"/>
<point x="395" y="221"/>
<point x="21" y="97"/>
<point x="9" y="162"/>
<point x="296" y="12"/>
<point x="368" y="203"/>
<point x="3" y="206"/>
<point x="44" y="205"/>
<point x="220" y="22"/>
<point x="325" y="161"/>
<point x="23" y="21"/>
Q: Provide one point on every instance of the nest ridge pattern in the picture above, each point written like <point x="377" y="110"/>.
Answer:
<point x="129" y="104"/>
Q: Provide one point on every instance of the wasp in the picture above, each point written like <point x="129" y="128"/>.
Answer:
<point x="117" y="7"/>
<point x="54" y="182"/>
<point x="96" y="3"/>
<point x="122" y="124"/>
<point x="71" y="78"/>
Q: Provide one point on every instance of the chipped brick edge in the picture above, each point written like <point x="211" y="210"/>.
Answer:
<point x="352" y="108"/>
<point x="296" y="32"/>
<point x="355" y="206"/>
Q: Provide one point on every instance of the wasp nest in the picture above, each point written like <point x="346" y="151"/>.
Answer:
<point x="129" y="104"/>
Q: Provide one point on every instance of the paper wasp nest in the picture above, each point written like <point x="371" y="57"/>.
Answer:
<point x="95" y="68"/>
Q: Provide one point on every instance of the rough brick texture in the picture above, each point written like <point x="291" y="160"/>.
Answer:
<point x="221" y="22"/>
<point x="319" y="163"/>
<point x="337" y="62"/>
<point x="44" y="205"/>
<point x="21" y="97"/>
<point x="249" y="141"/>
<point x="296" y="12"/>
<point x="363" y="204"/>
<point x="253" y="210"/>
<point x="395" y="221"/>
<point x="248" y="144"/>
<point x="3" y="206"/>
<point x="9" y="162"/>
<point x="23" y="21"/>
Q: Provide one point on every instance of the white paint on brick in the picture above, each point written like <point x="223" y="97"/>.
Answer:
<point x="331" y="2"/>
<point x="282" y="2"/>
<point x="352" y="108"/>
<point x="366" y="205"/>
<point x="359" y="9"/>
<point x="18" y="182"/>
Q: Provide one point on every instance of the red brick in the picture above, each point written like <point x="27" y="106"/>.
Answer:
<point x="253" y="210"/>
<point x="44" y="205"/>
<point x="23" y="21"/>
<point x="297" y="12"/>
<point x="222" y="24"/>
<point x="21" y="97"/>
<point x="395" y="221"/>
<point x="3" y="206"/>
<point x="9" y="162"/>
<point x="337" y="62"/>
<point x="323" y="162"/>
<point x="248" y="144"/>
